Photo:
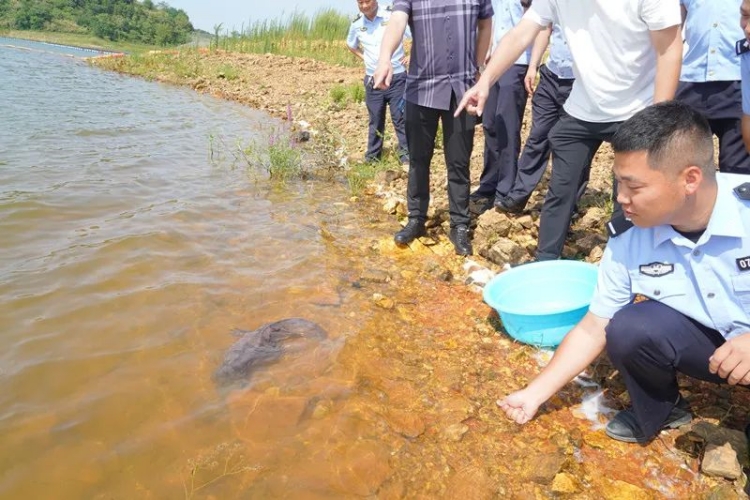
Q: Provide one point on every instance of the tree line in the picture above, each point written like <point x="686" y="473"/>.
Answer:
<point x="115" y="20"/>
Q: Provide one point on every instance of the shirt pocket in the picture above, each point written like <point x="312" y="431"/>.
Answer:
<point x="741" y="285"/>
<point x="660" y="288"/>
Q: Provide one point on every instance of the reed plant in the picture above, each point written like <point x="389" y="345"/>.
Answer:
<point x="321" y="37"/>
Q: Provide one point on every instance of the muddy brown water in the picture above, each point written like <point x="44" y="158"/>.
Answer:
<point x="134" y="240"/>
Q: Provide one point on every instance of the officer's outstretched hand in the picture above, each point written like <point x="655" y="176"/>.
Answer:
<point x="474" y="99"/>
<point x="521" y="406"/>
<point x="383" y="75"/>
<point x="732" y="360"/>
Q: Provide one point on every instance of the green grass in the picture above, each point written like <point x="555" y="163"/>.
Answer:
<point x="362" y="173"/>
<point x="280" y="158"/>
<point x="321" y="37"/>
<point x="341" y="95"/>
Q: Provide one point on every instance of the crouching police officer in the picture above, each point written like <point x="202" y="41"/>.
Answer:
<point x="364" y="40"/>
<point x="686" y="247"/>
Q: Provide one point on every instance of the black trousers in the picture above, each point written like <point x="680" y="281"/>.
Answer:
<point x="649" y="343"/>
<point x="721" y="104"/>
<point x="377" y="100"/>
<point x="546" y="109"/>
<point x="501" y="123"/>
<point x="574" y="143"/>
<point x="458" y="140"/>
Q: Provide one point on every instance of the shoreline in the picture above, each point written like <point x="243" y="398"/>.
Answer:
<point x="284" y="86"/>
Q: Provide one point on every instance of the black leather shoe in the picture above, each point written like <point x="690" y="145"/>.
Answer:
<point x="624" y="426"/>
<point x="479" y="204"/>
<point x="507" y="205"/>
<point x="460" y="238"/>
<point x="411" y="231"/>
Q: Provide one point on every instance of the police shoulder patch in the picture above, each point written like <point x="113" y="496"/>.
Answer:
<point x="743" y="191"/>
<point x="656" y="269"/>
<point x="618" y="225"/>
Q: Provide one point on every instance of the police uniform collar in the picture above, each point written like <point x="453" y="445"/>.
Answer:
<point x="723" y="220"/>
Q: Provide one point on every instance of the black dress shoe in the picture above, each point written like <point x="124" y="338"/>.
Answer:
<point x="624" y="426"/>
<point x="460" y="238"/>
<point x="479" y="204"/>
<point x="411" y="231"/>
<point x="509" y="206"/>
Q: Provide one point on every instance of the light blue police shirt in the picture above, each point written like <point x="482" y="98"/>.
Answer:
<point x="560" y="62"/>
<point x="508" y="13"/>
<point x="369" y="34"/>
<point x="711" y="29"/>
<point x="745" y="65"/>
<point x="708" y="281"/>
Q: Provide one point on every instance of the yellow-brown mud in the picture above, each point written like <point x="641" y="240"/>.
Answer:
<point x="409" y="408"/>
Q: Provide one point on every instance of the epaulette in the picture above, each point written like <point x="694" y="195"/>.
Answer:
<point x="359" y="16"/>
<point x="741" y="46"/>
<point x="743" y="191"/>
<point x="618" y="225"/>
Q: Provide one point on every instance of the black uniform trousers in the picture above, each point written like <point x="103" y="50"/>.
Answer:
<point x="649" y="342"/>
<point x="574" y="143"/>
<point x="546" y="108"/>
<point x="377" y="100"/>
<point x="721" y="104"/>
<point x="458" y="140"/>
<point x="501" y="122"/>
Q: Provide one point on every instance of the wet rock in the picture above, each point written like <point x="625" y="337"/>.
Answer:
<point x="406" y="423"/>
<point x="565" y="483"/>
<point x="721" y="461"/>
<point x="427" y="241"/>
<point x="597" y="440"/>
<point x="387" y="176"/>
<point x="259" y="347"/>
<point x="391" y="206"/>
<point x="455" y="432"/>
<point x="445" y="275"/>
<point x="717" y="435"/>
<point x="525" y="221"/>
<point x="493" y="222"/>
<point x="375" y="276"/>
<point x="542" y="469"/>
<point x="595" y="217"/>
<point x="587" y="243"/>
<point x="383" y="301"/>
<point x="471" y="483"/>
<point x="596" y="254"/>
<point x="361" y="469"/>
<point x="505" y="251"/>
<point x="620" y="490"/>
<point x="723" y="492"/>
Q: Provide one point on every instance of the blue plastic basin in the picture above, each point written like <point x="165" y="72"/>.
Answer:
<point x="539" y="303"/>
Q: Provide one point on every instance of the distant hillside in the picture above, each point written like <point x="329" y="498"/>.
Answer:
<point x="116" y="20"/>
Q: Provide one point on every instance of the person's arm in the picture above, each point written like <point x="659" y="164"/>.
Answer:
<point x="541" y="42"/>
<point x="746" y="131"/>
<point x="579" y="349"/>
<point x="668" y="45"/>
<point x="484" y="37"/>
<point x="357" y="52"/>
<point x="392" y="37"/>
<point x="507" y="52"/>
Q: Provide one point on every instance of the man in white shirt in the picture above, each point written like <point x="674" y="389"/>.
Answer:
<point x="626" y="55"/>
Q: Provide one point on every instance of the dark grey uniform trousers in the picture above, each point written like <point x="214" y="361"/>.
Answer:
<point x="458" y="141"/>
<point x="546" y="109"/>
<point x="649" y="343"/>
<point x="574" y="143"/>
<point x="721" y="104"/>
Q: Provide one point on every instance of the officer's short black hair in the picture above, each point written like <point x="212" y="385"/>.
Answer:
<point x="674" y="135"/>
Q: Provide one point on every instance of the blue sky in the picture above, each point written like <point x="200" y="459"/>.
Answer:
<point x="233" y="13"/>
